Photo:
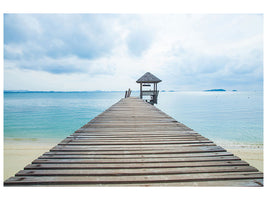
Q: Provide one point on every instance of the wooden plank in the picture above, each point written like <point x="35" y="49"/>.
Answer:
<point x="133" y="123"/>
<point x="131" y="179"/>
<point x="136" y="146"/>
<point x="201" y="149"/>
<point x="137" y="137"/>
<point x="132" y="139"/>
<point x="75" y="155"/>
<point x="141" y="134"/>
<point x="132" y="143"/>
<point x="215" y="183"/>
<point x="103" y="136"/>
<point x="181" y="147"/>
<point x="221" y="183"/>
<point x="112" y="135"/>
<point x="138" y="153"/>
<point x="123" y="172"/>
<point x="137" y="160"/>
<point x="113" y="120"/>
<point x="135" y="150"/>
<point x="155" y="132"/>
<point x="130" y="130"/>
<point x="135" y="126"/>
<point x="137" y="165"/>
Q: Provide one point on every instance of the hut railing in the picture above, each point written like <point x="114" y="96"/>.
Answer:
<point x="150" y="92"/>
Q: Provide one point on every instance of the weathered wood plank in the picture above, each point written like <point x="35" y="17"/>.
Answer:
<point x="174" y="132"/>
<point x="133" y="123"/>
<point x="147" y="133"/>
<point x="123" y="172"/>
<point x="140" y="160"/>
<point x="178" y="148"/>
<point x="137" y="165"/>
<point x="139" y="151"/>
<point x="112" y="135"/>
<point x="132" y="143"/>
<point x="84" y="155"/>
<point x="132" y="179"/>
<point x="139" y="129"/>
<point x="215" y="183"/>
<point x="132" y="139"/>
<point x="94" y="134"/>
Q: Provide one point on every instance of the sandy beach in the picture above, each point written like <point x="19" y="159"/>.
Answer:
<point x="253" y="156"/>
<point x="20" y="152"/>
<point x="251" y="153"/>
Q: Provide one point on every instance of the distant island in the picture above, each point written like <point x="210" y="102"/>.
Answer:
<point x="215" y="90"/>
<point x="168" y="91"/>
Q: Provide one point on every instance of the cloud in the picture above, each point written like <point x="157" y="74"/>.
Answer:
<point x="20" y="28"/>
<point x="138" y="41"/>
<point x="32" y="38"/>
<point x="185" y="51"/>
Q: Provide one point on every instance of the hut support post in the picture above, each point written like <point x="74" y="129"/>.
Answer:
<point x="141" y="93"/>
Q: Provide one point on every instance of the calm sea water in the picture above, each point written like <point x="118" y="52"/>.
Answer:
<point x="220" y="116"/>
<point x="224" y="117"/>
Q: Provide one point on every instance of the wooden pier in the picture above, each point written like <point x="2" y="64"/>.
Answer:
<point x="135" y="144"/>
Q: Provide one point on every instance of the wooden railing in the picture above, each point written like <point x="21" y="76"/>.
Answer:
<point x="150" y="92"/>
<point x="128" y="93"/>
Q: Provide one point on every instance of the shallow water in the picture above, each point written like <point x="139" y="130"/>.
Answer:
<point x="235" y="117"/>
<point x="52" y="115"/>
<point x="229" y="117"/>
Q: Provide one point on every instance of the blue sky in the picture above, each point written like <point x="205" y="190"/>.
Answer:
<point x="111" y="51"/>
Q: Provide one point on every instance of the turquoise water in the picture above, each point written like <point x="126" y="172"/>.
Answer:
<point x="220" y="116"/>
<point x="52" y="115"/>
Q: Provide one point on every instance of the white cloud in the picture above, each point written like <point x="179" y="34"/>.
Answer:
<point x="110" y="52"/>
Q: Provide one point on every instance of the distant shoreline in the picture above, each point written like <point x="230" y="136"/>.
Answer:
<point x="106" y="91"/>
<point x="29" y="91"/>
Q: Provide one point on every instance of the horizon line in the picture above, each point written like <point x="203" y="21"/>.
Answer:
<point x="51" y="91"/>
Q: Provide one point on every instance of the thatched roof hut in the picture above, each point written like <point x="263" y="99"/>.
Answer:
<point x="145" y="80"/>
<point x="148" y="78"/>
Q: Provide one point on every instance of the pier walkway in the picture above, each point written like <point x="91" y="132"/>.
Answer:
<point x="135" y="144"/>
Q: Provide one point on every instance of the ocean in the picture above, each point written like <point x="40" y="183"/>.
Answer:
<point x="224" y="117"/>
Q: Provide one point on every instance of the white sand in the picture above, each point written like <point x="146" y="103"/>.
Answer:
<point x="19" y="153"/>
<point x="253" y="156"/>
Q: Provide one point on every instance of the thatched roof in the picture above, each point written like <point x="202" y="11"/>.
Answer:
<point x="148" y="78"/>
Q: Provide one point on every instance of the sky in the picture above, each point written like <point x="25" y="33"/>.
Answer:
<point x="83" y="52"/>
